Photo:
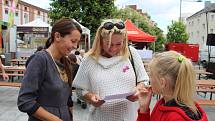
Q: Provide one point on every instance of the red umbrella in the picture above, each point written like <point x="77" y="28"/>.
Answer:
<point x="136" y="35"/>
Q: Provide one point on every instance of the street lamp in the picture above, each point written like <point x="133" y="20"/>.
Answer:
<point x="181" y="5"/>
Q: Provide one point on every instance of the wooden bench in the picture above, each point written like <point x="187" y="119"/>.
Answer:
<point x="12" y="74"/>
<point x="10" y="84"/>
<point x="206" y="102"/>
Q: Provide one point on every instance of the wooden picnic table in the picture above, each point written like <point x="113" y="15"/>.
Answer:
<point x="10" y="84"/>
<point x="206" y="83"/>
<point x="206" y="102"/>
<point x="205" y="86"/>
<point x="14" y="68"/>
<point x="14" y="71"/>
<point x="202" y="72"/>
<point x="18" y="61"/>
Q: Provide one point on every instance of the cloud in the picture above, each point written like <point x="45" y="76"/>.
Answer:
<point x="164" y="11"/>
<point x="44" y="5"/>
<point x="161" y="11"/>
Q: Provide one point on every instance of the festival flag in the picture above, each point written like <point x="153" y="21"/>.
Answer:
<point x="12" y="12"/>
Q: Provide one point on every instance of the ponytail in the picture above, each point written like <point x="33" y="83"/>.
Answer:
<point x="185" y="84"/>
<point x="48" y="43"/>
<point x="180" y="74"/>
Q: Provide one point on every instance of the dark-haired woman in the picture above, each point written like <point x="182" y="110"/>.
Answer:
<point x="45" y="92"/>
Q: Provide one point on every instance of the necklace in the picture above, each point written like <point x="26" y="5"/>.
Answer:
<point x="61" y="72"/>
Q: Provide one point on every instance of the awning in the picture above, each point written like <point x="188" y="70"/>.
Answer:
<point x="136" y="35"/>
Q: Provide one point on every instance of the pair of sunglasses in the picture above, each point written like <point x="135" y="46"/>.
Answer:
<point x="110" y="25"/>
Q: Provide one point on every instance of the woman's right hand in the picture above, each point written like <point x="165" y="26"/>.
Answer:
<point x="144" y="96"/>
<point x="94" y="99"/>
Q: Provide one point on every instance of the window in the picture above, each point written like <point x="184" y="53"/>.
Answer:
<point x="203" y="26"/>
<point x="38" y="12"/>
<point x="203" y="39"/>
<point x="17" y="6"/>
<point x="197" y="33"/>
<point x="211" y="30"/>
<point x="26" y="8"/>
<point x="6" y="2"/>
<point x="26" y="17"/>
<point x="17" y="13"/>
<point x="191" y="34"/>
<point x="198" y="21"/>
<point x="192" y="23"/>
<point x="6" y="11"/>
<point x="212" y="17"/>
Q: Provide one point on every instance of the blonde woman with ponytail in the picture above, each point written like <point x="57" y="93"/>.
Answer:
<point x="172" y="76"/>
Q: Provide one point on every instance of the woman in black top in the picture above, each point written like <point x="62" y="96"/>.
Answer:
<point x="45" y="90"/>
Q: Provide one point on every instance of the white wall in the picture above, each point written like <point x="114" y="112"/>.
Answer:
<point x="197" y="29"/>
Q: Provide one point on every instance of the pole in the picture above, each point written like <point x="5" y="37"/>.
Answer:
<point x="209" y="47"/>
<point x="180" y="10"/>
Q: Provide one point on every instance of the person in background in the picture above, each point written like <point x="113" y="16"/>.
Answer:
<point x="46" y="91"/>
<point x="73" y="62"/>
<point x="171" y="75"/>
<point x="107" y="70"/>
<point x="4" y="75"/>
<point x="78" y="56"/>
<point x="75" y="66"/>
<point x="82" y="53"/>
<point x="39" y="48"/>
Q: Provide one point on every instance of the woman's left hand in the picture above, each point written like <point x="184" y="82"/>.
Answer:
<point x="144" y="95"/>
<point x="132" y="98"/>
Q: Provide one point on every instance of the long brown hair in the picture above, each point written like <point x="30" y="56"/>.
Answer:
<point x="64" y="27"/>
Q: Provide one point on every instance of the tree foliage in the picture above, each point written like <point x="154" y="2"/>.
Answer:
<point x="177" y="32"/>
<point x="141" y="21"/>
<point x="88" y="12"/>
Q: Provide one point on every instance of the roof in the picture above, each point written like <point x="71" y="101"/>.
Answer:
<point x="210" y="8"/>
<point x="24" y="2"/>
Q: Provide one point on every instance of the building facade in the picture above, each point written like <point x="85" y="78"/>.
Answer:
<point x="199" y="25"/>
<point x="145" y="15"/>
<point x="24" y="12"/>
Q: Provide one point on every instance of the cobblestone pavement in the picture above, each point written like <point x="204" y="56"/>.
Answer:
<point x="9" y="111"/>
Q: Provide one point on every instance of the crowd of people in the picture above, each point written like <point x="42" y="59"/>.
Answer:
<point x="110" y="67"/>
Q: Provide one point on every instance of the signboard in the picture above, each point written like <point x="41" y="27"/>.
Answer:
<point x="32" y="29"/>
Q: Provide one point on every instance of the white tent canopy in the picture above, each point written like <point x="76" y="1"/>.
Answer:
<point x="84" y="31"/>
<point x="36" y="23"/>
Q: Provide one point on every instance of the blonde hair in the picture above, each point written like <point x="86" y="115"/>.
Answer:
<point x="179" y="73"/>
<point x="105" y="35"/>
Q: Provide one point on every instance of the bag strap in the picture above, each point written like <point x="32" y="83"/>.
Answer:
<point x="132" y="63"/>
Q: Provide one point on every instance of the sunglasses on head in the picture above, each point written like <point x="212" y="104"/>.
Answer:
<point x="110" y="25"/>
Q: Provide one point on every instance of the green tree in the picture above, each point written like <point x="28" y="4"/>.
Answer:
<point x="160" y="40"/>
<point x="143" y="24"/>
<point x="88" y="12"/>
<point x="134" y="16"/>
<point x="177" y="32"/>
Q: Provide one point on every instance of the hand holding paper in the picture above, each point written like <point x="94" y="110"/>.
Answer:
<point x="118" y="96"/>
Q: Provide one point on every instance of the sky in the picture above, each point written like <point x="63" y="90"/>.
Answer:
<point x="161" y="11"/>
